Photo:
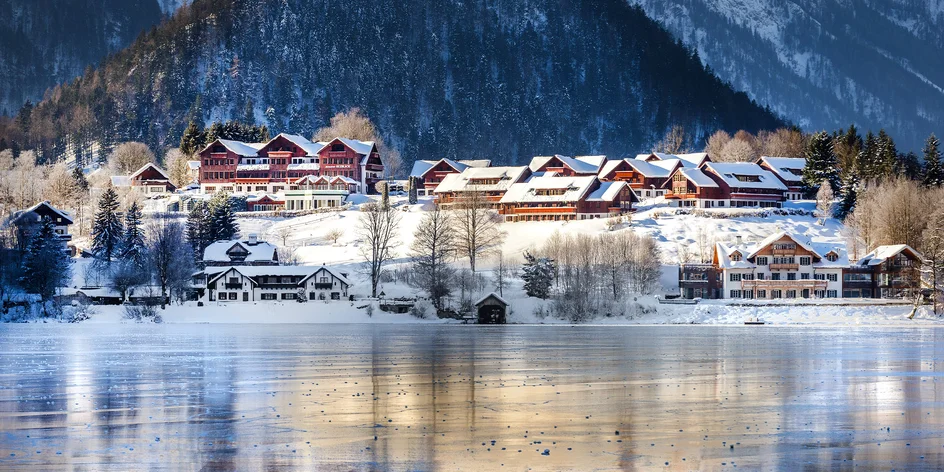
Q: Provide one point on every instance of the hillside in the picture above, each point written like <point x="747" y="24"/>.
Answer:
<point x="824" y="64"/>
<point x="45" y="42"/>
<point x="441" y="79"/>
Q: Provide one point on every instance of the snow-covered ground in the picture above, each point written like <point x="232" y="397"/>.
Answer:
<point x="675" y="234"/>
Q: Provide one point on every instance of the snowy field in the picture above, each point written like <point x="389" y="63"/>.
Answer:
<point x="675" y="234"/>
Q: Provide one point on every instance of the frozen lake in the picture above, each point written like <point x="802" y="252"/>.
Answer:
<point x="424" y="397"/>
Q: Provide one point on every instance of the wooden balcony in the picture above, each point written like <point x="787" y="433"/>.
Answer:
<point x="784" y="266"/>
<point x="538" y="211"/>
<point x="784" y="252"/>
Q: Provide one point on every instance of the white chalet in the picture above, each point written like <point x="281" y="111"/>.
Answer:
<point x="27" y="221"/>
<point x="781" y="266"/>
<point x="250" y="252"/>
<point x="271" y="283"/>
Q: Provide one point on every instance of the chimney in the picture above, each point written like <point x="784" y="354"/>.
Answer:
<point x="253" y="239"/>
<point x="737" y="240"/>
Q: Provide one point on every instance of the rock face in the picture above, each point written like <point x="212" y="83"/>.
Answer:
<point x="46" y="42"/>
<point x="824" y="63"/>
<point x="459" y="79"/>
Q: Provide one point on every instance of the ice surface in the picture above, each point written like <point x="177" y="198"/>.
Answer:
<point x="426" y="397"/>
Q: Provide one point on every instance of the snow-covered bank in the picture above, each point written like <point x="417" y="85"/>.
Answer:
<point x="527" y="311"/>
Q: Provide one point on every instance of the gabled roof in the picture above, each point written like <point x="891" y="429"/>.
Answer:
<point x="777" y="237"/>
<point x="311" y="180"/>
<point x="608" y="192"/>
<point x="62" y="214"/>
<point x="420" y="168"/>
<point x="360" y="147"/>
<point x="237" y="147"/>
<point x="270" y="196"/>
<point x="659" y="156"/>
<point x="728" y="172"/>
<point x="491" y="295"/>
<point x="145" y="167"/>
<point x="252" y="272"/>
<point x="463" y="181"/>
<point x="193" y="165"/>
<point x="587" y="165"/>
<point x="341" y="178"/>
<point x="574" y="189"/>
<point x="695" y="159"/>
<point x="697" y="177"/>
<point x="260" y="251"/>
<point x="782" y="167"/>
<point x="883" y="253"/>
<point x="310" y="148"/>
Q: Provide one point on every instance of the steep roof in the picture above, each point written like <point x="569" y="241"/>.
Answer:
<point x="777" y="237"/>
<point x="574" y="189"/>
<point x="238" y="147"/>
<point x="462" y="182"/>
<point x="360" y="147"/>
<point x="608" y="191"/>
<point x="193" y="165"/>
<point x="882" y="253"/>
<point x="730" y="171"/>
<point x="260" y="251"/>
<point x="697" y="177"/>
<point x="48" y="206"/>
<point x="310" y="148"/>
<point x="420" y="168"/>
<point x="588" y="165"/>
<point x="152" y="166"/>
<point x="787" y="168"/>
<point x="695" y="159"/>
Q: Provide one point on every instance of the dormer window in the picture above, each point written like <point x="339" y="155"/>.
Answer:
<point x="747" y="178"/>
<point x="736" y="256"/>
<point x="337" y="147"/>
<point x="832" y="257"/>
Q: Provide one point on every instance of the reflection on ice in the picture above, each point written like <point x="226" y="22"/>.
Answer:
<point x="470" y="397"/>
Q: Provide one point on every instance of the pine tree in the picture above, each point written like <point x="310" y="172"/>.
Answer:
<point x="198" y="229"/>
<point x="538" y="275"/>
<point x="132" y="246"/>
<point x="933" y="169"/>
<point x="886" y="156"/>
<point x="847" y="196"/>
<point x="46" y="264"/>
<point x="192" y="139"/>
<point x="107" y="230"/>
<point x="223" y="225"/>
<point x="866" y="160"/>
<point x="820" y="163"/>
<point x="81" y="182"/>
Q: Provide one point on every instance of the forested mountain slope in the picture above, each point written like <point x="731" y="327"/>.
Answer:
<point x="824" y="64"/>
<point x="47" y="42"/>
<point x="461" y="79"/>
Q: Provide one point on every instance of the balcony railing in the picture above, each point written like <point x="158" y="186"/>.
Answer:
<point x="538" y="211"/>
<point x="783" y="284"/>
<point x="230" y="286"/>
<point x="785" y="266"/>
<point x="323" y="286"/>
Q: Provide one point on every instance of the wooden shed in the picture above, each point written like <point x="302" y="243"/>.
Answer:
<point x="491" y="309"/>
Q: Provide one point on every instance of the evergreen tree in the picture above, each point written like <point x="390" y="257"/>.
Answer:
<point x="192" y="139"/>
<point x="907" y="164"/>
<point x="106" y="231"/>
<point x="933" y="170"/>
<point x="81" y="182"/>
<point x="132" y="247"/>
<point x="198" y="229"/>
<point x="538" y="275"/>
<point x="249" y="113"/>
<point x="820" y="163"/>
<point x="46" y="264"/>
<point x="223" y="224"/>
<point x="847" y="196"/>
<point x="866" y="158"/>
<point x="886" y="156"/>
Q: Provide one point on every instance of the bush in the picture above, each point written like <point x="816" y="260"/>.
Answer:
<point x="142" y="312"/>
<point x="421" y="309"/>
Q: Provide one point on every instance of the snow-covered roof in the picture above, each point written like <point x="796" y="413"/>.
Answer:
<point x="697" y="177"/>
<point x="258" y="252"/>
<point x="360" y="147"/>
<point x="695" y="159"/>
<point x="787" y="168"/>
<point x="193" y="165"/>
<point x="574" y="188"/>
<point x="475" y="162"/>
<point x="658" y="155"/>
<point x="651" y="169"/>
<point x="584" y="165"/>
<point x="726" y="251"/>
<point x="344" y="179"/>
<point x="777" y="237"/>
<point x="62" y="213"/>
<point x="306" y="271"/>
<point x="465" y="181"/>
<point x="820" y="249"/>
<point x="149" y="165"/>
<point x="730" y="172"/>
<point x="882" y="253"/>
<point x="491" y="295"/>
<point x="420" y="168"/>
<point x="309" y="147"/>
<point x="270" y="196"/>
<point x="608" y="192"/>
<point x="312" y="180"/>
<point x="237" y="147"/>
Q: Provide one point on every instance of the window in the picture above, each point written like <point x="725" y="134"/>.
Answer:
<point x="268" y="296"/>
<point x="775" y="276"/>
<point x="736" y="256"/>
<point x="832" y="277"/>
<point x="760" y="276"/>
<point x="761" y="294"/>
<point x="233" y="295"/>
<point x="776" y="294"/>
<point x="791" y="276"/>
<point x="323" y="280"/>
<point x="791" y="293"/>
<point x="831" y="294"/>
<point x="832" y="257"/>
<point x="735" y="277"/>
<point x="805" y="276"/>
<point x="735" y="294"/>
<point x="335" y="296"/>
<point x="749" y="294"/>
<point x="819" y="276"/>
<point x="747" y="277"/>
<point x="761" y="261"/>
<point x="805" y="261"/>
<point x="288" y="296"/>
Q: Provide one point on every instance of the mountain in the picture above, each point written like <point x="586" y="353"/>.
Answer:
<point x="459" y="79"/>
<point x="47" y="42"/>
<point x="824" y="63"/>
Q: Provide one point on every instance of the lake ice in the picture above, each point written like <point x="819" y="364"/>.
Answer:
<point x="429" y="397"/>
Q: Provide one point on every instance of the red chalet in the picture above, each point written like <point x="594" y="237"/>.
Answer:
<point x="567" y="166"/>
<point x="429" y="174"/>
<point x="273" y="167"/>
<point x="725" y="185"/>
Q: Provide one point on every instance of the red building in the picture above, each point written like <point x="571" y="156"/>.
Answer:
<point x="567" y="166"/>
<point x="358" y="160"/>
<point x="725" y="185"/>
<point x="646" y="178"/>
<point x="557" y="198"/>
<point x="429" y="174"/>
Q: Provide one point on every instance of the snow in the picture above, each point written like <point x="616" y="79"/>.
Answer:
<point x="882" y="253"/>
<point x="464" y="181"/>
<point x="586" y="165"/>
<point x="252" y="167"/>
<point x="310" y="148"/>
<point x="729" y="172"/>
<point x="360" y="147"/>
<point x="697" y="177"/>
<point x="304" y="166"/>
<point x="607" y="192"/>
<point x="149" y="165"/>
<point x="261" y="251"/>
<point x="574" y="188"/>
<point x="239" y="148"/>
<point x="789" y="169"/>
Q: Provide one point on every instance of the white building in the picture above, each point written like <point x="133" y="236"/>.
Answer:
<point x="781" y="266"/>
<point x="789" y="170"/>
<point x="272" y="283"/>
<point x="250" y="251"/>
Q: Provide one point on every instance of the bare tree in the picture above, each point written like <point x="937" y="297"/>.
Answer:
<point x="283" y="233"/>
<point x="129" y="157"/>
<point x="168" y="256"/>
<point x="675" y="141"/>
<point x="434" y="245"/>
<point x="334" y="235"/>
<point x="61" y="188"/>
<point x="503" y="272"/>
<point x="784" y="142"/>
<point x="933" y="251"/>
<point x="477" y="226"/>
<point x="737" y="150"/>
<point x="377" y="229"/>
<point x="825" y="201"/>
<point x="393" y="163"/>
<point x="716" y="143"/>
<point x="177" y="167"/>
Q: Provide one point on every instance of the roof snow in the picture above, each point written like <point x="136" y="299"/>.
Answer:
<point x="787" y="168"/>
<point x="193" y="165"/>
<point x="252" y="167"/>
<point x="310" y="148"/>
<point x="360" y="147"/>
<point x="750" y="250"/>
<point x="693" y="159"/>
<point x="697" y="177"/>
<point x="120" y="181"/>
<point x="420" y="168"/>
<point x="306" y="271"/>
<point x="580" y="165"/>
<point x="465" y="180"/>
<point x="608" y="192"/>
<point x="146" y="166"/>
<point x="882" y="253"/>
<point x="270" y="196"/>
<point x="259" y="251"/>
<point x="574" y="188"/>
<point x="62" y="213"/>
<point x="304" y="166"/>
<point x="688" y="160"/>
<point x="240" y="148"/>
<point x="730" y="171"/>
